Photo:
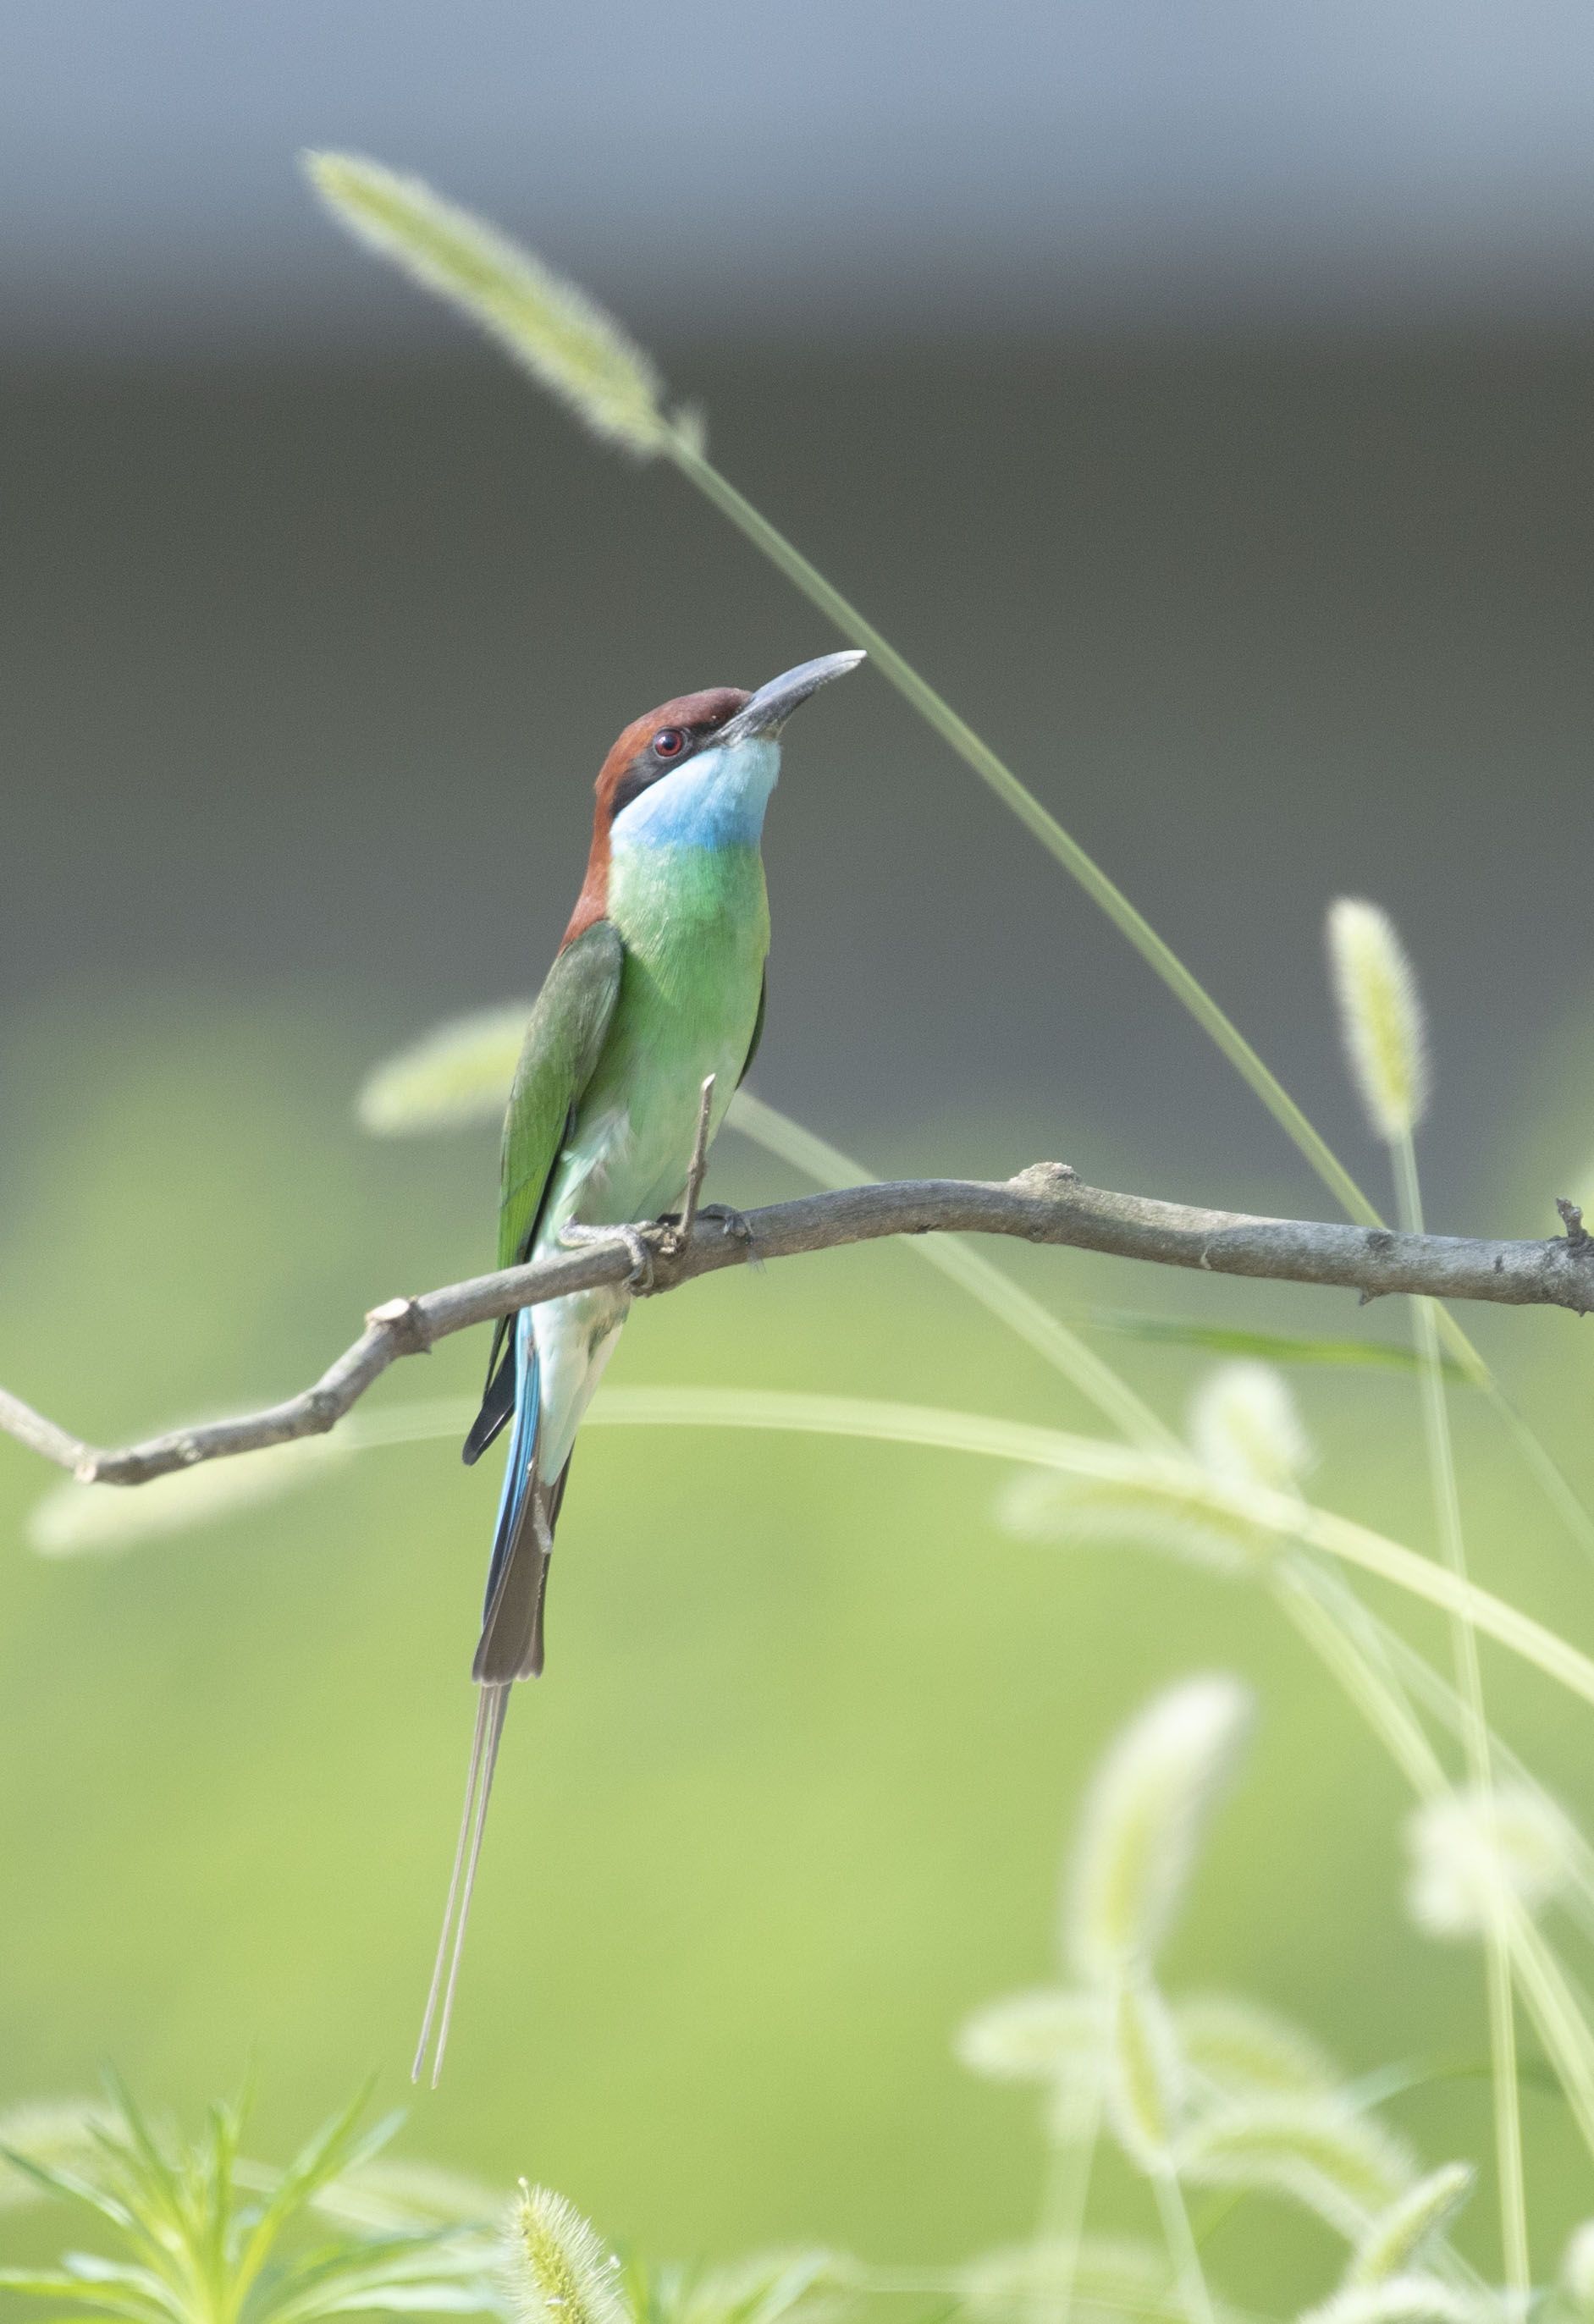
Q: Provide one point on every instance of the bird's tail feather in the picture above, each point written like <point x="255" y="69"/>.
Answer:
<point x="491" y="1705"/>
<point x="511" y="1643"/>
<point x="511" y="1648"/>
<point x="496" y="1405"/>
<point x="521" y="1461"/>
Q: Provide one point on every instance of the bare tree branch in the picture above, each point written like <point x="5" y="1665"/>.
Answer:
<point x="1046" y="1203"/>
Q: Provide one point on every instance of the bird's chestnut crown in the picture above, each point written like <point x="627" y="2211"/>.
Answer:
<point x="665" y="739"/>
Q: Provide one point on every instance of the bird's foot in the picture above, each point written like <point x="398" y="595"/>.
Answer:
<point x="641" y="1278"/>
<point x="733" y="1222"/>
<point x="675" y="1233"/>
<point x="676" y="1230"/>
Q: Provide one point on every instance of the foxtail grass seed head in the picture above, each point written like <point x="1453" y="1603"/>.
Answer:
<point x="1142" y="1821"/>
<point x="1399" y="2238"/>
<point x="1173" y="1506"/>
<point x="1098" y="2280"/>
<point x="394" y="2197"/>
<point x="1380" y="1017"/>
<point x="799" y="2286"/>
<point x="460" y="1073"/>
<point x="1145" y="2084"/>
<point x="1313" y="2151"/>
<point x="1577" y="2271"/>
<point x="1238" y="2049"/>
<point x="558" y="2271"/>
<point x="548" y="326"/>
<point x="1473" y="1848"/>
<point x="55" y="2133"/>
<point x="76" y="1520"/>
<point x="1412" y="2299"/>
<point x="1245" y="1427"/>
<point x="1041" y="2037"/>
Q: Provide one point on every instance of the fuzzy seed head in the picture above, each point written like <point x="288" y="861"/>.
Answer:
<point x="1141" y="1823"/>
<point x="1471" y="1848"/>
<point x="550" y="327"/>
<point x="76" y="1520"/>
<point x="1576" y="2269"/>
<point x="391" y="2196"/>
<point x="1145" y="2087"/>
<point x="1380" y="1017"/>
<point x="1098" y="2280"/>
<point x="1245" y="1427"/>
<point x="774" y="2287"/>
<point x="459" y="1074"/>
<point x="1040" y="2037"/>
<point x="559" y="2271"/>
<point x="1399" y="2237"/>
<point x="1240" y="2050"/>
<point x="1411" y="2299"/>
<point x="1315" y="2151"/>
<point x="1170" y="1505"/>
<point x="56" y="2133"/>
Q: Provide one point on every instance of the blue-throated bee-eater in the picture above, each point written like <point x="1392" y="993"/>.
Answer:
<point x="658" y="984"/>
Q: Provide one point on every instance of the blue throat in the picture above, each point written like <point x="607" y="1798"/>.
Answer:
<point x="718" y="799"/>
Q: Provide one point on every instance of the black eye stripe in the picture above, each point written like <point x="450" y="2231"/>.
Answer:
<point x="631" y="787"/>
<point x="649" y="765"/>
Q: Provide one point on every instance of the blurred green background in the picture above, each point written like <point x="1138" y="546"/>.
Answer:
<point x="314" y="644"/>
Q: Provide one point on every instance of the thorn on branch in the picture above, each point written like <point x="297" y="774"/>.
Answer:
<point x="1578" y="1240"/>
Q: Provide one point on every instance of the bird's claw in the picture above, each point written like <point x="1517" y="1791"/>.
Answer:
<point x="641" y="1278"/>
<point x="733" y="1222"/>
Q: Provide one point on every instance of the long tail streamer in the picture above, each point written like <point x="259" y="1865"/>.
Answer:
<point x="492" y="1702"/>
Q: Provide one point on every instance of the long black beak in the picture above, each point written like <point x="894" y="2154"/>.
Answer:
<point x="773" y="703"/>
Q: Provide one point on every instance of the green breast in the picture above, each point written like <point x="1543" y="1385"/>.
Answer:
<point x="695" y="925"/>
<point x="695" y="921"/>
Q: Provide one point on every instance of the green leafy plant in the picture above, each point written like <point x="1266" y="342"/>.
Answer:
<point x="1214" y="2099"/>
<point x="205" y="2236"/>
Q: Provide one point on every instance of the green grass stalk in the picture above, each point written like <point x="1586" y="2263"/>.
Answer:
<point x="583" y="358"/>
<point x="938" y="714"/>
<point x="1065" y="2198"/>
<point x="686" y="452"/>
<point x="1447" y="1500"/>
<point x="1183" y="2250"/>
<point x="1364" y="1655"/>
<point x="956" y="1257"/>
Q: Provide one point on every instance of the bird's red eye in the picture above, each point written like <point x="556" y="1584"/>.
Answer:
<point x="669" y="743"/>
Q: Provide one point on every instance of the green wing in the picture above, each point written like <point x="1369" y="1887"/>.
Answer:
<point x="569" y="1025"/>
<point x="757" y="1029"/>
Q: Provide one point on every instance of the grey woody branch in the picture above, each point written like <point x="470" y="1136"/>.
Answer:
<point x="1047" y="1204"/>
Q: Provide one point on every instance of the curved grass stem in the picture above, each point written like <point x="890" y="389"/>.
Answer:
<point x="1066" y="2196"/>
<point x="938" y="714"/>
<point x="683" y="448"/>
<point x="1309" y="1598"/>
<point x="1182" y="2249"/>
<point x="1049" y="1338"/>
<point x="1447" y="1502"/>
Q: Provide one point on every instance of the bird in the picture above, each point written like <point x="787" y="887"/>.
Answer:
<point x="647" y="1022"/>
